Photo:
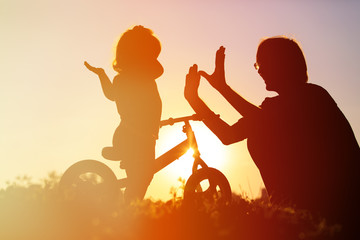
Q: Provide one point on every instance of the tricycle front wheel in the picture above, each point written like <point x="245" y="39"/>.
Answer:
<point x="214" y="187"/>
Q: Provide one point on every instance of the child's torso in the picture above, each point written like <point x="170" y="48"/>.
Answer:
<point x="139" y="104"/>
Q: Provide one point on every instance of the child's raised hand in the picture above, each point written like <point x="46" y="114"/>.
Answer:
<point x="192" y="82"/>
<point x="95" y="70"/>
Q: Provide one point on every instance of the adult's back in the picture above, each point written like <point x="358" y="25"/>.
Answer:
<point x="306" y="151"/>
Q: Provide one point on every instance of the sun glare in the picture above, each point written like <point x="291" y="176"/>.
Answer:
<point x="211" y="149"/>
<point x="183" y="166"/>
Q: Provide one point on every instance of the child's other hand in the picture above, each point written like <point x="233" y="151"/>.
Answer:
<point x="192" y="82"/>
<point x="95" y="70"/>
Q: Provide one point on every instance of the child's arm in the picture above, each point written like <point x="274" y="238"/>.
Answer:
<point x="106" y="84"/>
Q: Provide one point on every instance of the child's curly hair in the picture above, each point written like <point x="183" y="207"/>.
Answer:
<point x="136" y="46"/>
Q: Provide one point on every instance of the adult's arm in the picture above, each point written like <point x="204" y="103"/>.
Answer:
<point x="221" y="129"/>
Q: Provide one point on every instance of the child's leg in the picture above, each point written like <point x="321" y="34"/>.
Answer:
<point x="138" y="180"/>
<point x="116" y="152"/>
<point x="140" y="171"/>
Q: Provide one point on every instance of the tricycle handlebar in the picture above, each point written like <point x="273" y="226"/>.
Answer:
<point x="171" y="121"/>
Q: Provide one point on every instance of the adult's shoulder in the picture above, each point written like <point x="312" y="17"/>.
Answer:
<point x="318" y="93"/>
<point x="269" y="101"/>
<point x="312" y="88"/>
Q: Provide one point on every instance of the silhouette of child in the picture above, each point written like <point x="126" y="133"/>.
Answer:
<point x="135" y="93"/>
<point x="300" y="140"/>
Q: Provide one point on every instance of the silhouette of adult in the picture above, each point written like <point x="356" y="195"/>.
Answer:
<point x="301" y="142"/>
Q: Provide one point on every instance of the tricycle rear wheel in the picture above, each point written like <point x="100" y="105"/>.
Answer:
<point x="89" y="181"/>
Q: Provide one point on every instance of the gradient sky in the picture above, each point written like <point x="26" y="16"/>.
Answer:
<point x="53" y="112"/>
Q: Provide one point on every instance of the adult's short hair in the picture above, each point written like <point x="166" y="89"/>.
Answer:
<point x="286" y="53"/>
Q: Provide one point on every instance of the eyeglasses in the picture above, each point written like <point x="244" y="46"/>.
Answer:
<point x="256" y="66"/>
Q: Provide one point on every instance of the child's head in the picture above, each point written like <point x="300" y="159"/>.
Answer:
<point x="138" y="48"/>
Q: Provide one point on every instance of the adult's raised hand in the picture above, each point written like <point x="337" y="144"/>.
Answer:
<point x="217" y="79"/>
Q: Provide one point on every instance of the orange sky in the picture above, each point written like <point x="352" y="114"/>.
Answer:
<point x="53" y="110"/>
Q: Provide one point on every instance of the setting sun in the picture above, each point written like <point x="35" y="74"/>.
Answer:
<point x="212" y="152"/>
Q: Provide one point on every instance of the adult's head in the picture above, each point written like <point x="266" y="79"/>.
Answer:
<point x="137" y="48"/>
<point x="281" y="63"/>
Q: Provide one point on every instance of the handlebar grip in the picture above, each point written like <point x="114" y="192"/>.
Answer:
<point x="171" y="121"/>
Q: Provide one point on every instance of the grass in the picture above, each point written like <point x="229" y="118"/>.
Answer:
<point x="41" y="211"/>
